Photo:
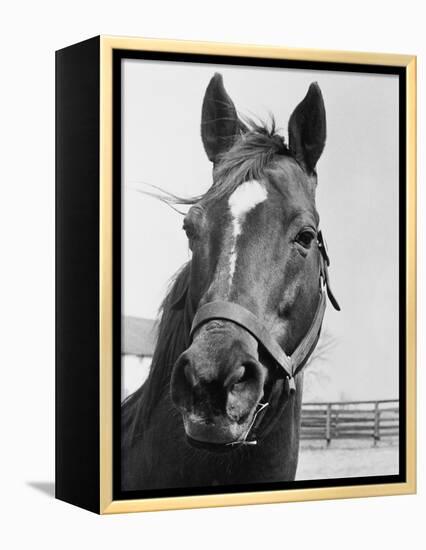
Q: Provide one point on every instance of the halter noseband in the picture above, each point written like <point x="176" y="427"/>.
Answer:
<point x="239" y="315"/>
<point x="290" y="364"/>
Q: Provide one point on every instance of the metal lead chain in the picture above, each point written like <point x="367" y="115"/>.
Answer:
<point x="244" y="441"/>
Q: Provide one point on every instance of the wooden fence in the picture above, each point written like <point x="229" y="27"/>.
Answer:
<point x="373" y="420"/>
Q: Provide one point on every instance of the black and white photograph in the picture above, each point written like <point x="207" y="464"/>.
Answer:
<point x="261" y="278"/>
<point x="213" y="275"/>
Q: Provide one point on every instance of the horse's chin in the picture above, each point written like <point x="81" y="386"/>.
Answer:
<point x="211" y="447"/>
<point x="219" y="432"/>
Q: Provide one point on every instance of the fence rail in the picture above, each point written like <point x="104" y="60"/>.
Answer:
<point x="350" y="420"/>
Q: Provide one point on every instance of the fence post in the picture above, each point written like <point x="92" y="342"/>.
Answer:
<point x="328" y="424"/>
<point x="336" y="423"/>
<point x="376" y="422"/>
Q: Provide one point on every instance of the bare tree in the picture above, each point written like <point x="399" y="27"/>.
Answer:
<point x="317" y="375"/>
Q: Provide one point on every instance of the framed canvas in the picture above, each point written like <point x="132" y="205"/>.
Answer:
<point x="266" y="352"/>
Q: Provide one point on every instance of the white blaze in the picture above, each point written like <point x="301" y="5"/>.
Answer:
<point x="248" y="195"/>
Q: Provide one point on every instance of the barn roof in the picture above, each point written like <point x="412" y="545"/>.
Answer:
<point x="139" y="336"/>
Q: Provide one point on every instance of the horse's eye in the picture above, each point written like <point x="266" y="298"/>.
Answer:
<point x="305" y="238"/>
<point x="189" y="229"/>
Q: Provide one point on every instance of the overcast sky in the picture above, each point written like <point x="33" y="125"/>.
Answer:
<point x="356" y="197"/>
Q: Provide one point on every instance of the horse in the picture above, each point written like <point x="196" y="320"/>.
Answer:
<point x="222" y="402"/>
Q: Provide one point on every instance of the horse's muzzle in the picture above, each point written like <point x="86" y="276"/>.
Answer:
<point x="217" y="384"/>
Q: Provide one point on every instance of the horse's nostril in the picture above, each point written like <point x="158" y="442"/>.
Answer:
<point x="245" y="375"/>
<point x="244" y="391"/>
<point x="182" y="380"/>
<point x="189" y="374"/>
<point x="235" y="377"/>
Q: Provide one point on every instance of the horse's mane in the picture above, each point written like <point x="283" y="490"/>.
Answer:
<point x="252" y="153"/>
<point x="173" y="338"/>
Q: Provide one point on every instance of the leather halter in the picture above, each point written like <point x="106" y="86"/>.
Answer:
<point x="290" y="364"/>
<point x="239" y="315"/>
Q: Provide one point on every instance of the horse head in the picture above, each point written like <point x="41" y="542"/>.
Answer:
<point x="256" y="271"/>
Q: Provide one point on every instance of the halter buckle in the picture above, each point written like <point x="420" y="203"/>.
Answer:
<point x="291" y="384"/>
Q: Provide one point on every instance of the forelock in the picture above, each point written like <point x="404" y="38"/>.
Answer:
<point x="253" y="152"/>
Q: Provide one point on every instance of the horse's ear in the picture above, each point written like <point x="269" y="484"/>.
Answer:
<point x="307" y="129"/>
<point x="219" y="120"/>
